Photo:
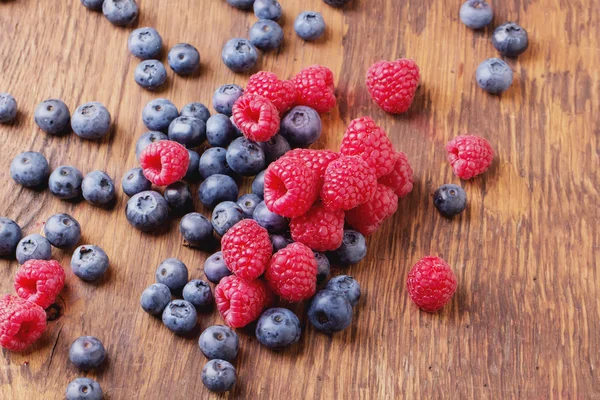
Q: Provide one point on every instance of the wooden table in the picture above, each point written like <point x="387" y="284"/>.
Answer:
<point x="524" y="321"/>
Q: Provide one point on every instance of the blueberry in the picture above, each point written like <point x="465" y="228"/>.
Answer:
<point x="173" y="273"/>
<point x="89" y="262"/>
<point x="193" y="172"/>
<point x="352" y="250"/>
<point x="245" y="157"/>
<point x="158" y="114"/>
<point x="83" y="389"/>
<point x="8" y="108"/>
<point x="219" y="131"/>
<point x="238" y="132"/>
<point x="33" y="247"/>
<point x="248" y="203"/>
<point x="225" y="96"/>
<point x="219" y="375"/>
<point x="62" y="231"/>
<point x="225" y="215"/>
<point x="190" y="132"/>
<point x="95" y="5"/>
<point x="309" y="25"/>
<point x="280" y="242"/>
<point x="98" y="188"/>
<point x="510" y="39"/>
<point x="258" y="184"/>
<point x="241" y="4"/>
<point x="179" y="198"/>
<point x="91" y="121"/>
<point x="196" y="230"/>
<point x="52" y="116"/>
<point x="215" y="268"/>
<point x="278" y="328"/>
<point x="214" y="161"/>
<point x="323" y="267"/>
<point x="65" y="182"/>
<point x="476" y="14"/>
<point x="346" y="285"/>
<point x="120" y="12"/>
<point x="219" y="342"/>
<point x="450" y="200"/>
<point x="196" y="110"/>
<point x="330" y="311"/>
<point x="266" y="35"/>
<point x="145" y="43"/>
<point x="267" y="9"/>
<point x="217" y="188"/>
<point x="134" y="182"/>
<point x="30" y="169"/>
<point x="150" y="74"/>
<point x="147" y="211"/>
<point x="198" y="293"/>
<point x="301" y="126"/>
<point x="184" y="59"/>
<point x="494" y="76"/>
<point x="10" y="235"/>
<point x="239" y="55"/>
<point x="336" y="3"/>
<point x="269" y="220"/>
<point x="180" y="316"/>
<point x="155" y="298"/>
<point x="145" y="140"/>
<point x="87" y="352"/>
<point x="274" y="148"/>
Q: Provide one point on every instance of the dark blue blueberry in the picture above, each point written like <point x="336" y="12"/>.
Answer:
<point x="193" y="172"/>
<point x="476" y="14"/>
<point x="120" y="12"/>
<point x="214" y="161"/>
<point x="147" y="211"/>
<point x="91" y="121"/>
<point x="134" y="182"/>
<point x="336" y="3"/>
<point x="145" y="43"/>
<point x="245" y="157"/>
<point x="450" y="200"/>
<point x="65" y="182"/>
<point x="269" y="220"/>
<point x="241" y="4"/>
<point x="266" y="35"/>
<point x="89" y="262"/>
<point x="224" y="97"/>
<point x="274" y="148"/>
<point x="309" y="25"/>
<point x="10" y="235"/>
<point x="352" y="250"/>
<point x="330" y="311"/>
<point x="173" y="273"/>
<point x="301" y="126"/>
<point x="215" y="268"/>
<point x="238" y="132"/>
<point x="190" y="132"/>
<point x="62" y="231"/>
<point x="196" y="230"/>
<point x="87" y="352"/>
<point x="217" y="188"/>
<point x="323" y="267"/>
<point x="510" y="39"/>
<point x="280" y="242"/>
<point x="184" y="59"/>
<point x="8" y="108"/>
<point x="346" y="285"/>
<point x="95" y="5"/>
<point x="53" y="117"/>
<point x="98" y="188"/>
<point x="33" y="247"/>
<point x="196" y="110"/>
<point x="225" y="215"/>
<point x="239" y="55"/>
<point x="267" y="9"/>
<point x="219" y="375"/>
<point x="219" y="131"/>
<point x="494" y="76"/>
<point x="83" y="389"/>
<point x="155" y="298"/>
<point x="150" y="74"/>
<point x="30" y="169"/>
<point x="219" y="342"/>
<point x="258" y="184"/>
<point x="180" y="316"/>
<point x="278" y="328"/>
<point x="248" y="203"/>
<point x="158" y="114"/>
<point x="198" y="293"/>
<point x="179" y="198"/>
<point x="145" y="140"/>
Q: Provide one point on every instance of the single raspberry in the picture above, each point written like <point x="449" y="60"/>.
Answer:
<point x="21" y="323"/>
<point x="292" y="273"/>
<point x="247" y="249"/>
<point x="39" y="281"/>
<point x="164" y="162"/>
<point x="256" y="117"/>
<point x="392" y="84"/>
<point x="368" y="217"/>
<point x="317" y="160"/>
<point x="314" y="88"/>
<point x="348" y="183"/>
<point x="401" y="178"/>
<point x="469" y="155"/>
<point x="319" y="229"/>
<point x="365" y="139"/>
<point x="291" y="187"/>
<point x="240" y="302"/>
<point x="431" y="283"/>
<point x="281" y="93"/>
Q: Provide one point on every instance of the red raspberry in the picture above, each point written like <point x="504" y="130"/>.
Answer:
<point x="469" y="155"/>
<point x="164" y="162"/>
<point x="348" y="183"/>
<point x="314" y="88"/>
<point x="281" y="93"/>
<point x="401" y="178"/>
<point x="319" y="229"/>
<point x="241" y="302"/>
<point x="431" y="283"/>
<point x="247" y="249"/>
<point x="392" y="84"/>
<point x="39" y="281"/>
<point x="292" y="273"/>
<point x="256" y="117"/>
<point x="317" y="160"/>
<point x="365" y="139"/>
<point x="21" y="323"/>
<point x="368" y="217"/>
<point x="291" y="187"/>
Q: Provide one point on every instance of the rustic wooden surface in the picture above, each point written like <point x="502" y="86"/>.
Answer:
<point x="524" y="322"/>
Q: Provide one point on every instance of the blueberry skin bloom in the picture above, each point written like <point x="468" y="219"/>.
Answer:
<point x="214" y="161"/>
<point x="91" y="121"/>
<point x="450" y="200"/>
<point x="476" y="14"/>
<point x="278" y="328"/>
<point x="225" y="215"/>
<point x="65" y="182"/>
<point x="89" y="262"/>
<point x="248" y="203"/>
<point x="274" y="148"/>
<point x="269" y="220"/>
<point x="301" y="126"/>
<point x="29" y="169"/>
<point x="346" y="285"/>
<point x="198" y="293"/>
<point x="266" y="35"/>
<point x="267" y="9"/>
<point x="33" y="247"/>
<point x="10" y="235"/>
<point x="239" y="55"/>
<point x="179" y="198"/>
<point x="245" y="157"/>
<point x="217" y="188"/>
<point x="215" y="268"/>
<point x="145" y="43"/>
<point x="83" y="389"/>
<point x="134" y="182"/>
<point x="352" y="250"/>
<point x="180" y="316"/>
<point x="258" y="184"/>
<point x="219" y="375"/>
<point x="330" y="311"/>
<point x="219" y="342"/>
<point x="98" y="188"/>
<point x="150" y="74"/>
<point x="193" y="173"/>
<point x="147" y="211"/>
<point x="145" y="140"/>
<point x="8" y="108"/>
<point x="219" y="131"/>
<point x="158" y="114"/>
<point x="510" y="39"/>
<point x="309" y="25"/>
<point x="87" y="352"/>
<point x="120" y="12"/>
<point x="195" y="110"/>
<point x="494" y="76"/>
<point x="196" y="230"/>
<point x="225" y="96"/>
<point x="95" y="5"/>
<point x="173" y="273"/>
<point x="323" y="267"/>
<point x="62" y="231"/>
<point x="190" y="132"/>
<point x="241" y="4"/>
<point x="155" y="298"/>
<point x="184" y="59"/>
<point x="52" y="116"/>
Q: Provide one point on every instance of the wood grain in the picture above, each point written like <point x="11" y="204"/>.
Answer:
<point x="524" y="322"/>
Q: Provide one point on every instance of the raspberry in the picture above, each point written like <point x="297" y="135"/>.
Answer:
<point x="314" y="88"/>
<point x="431" y="283"/>
<point x="291" y="187"/>
<point x="469" y="155"/>
<point x="39" y="281"/>
<point x="164" y="162"/>
<point x="368" y="217"/>
<point x="319" y="229"/>
<point x="281" y="93"/>
<point x="401" y="179"/>
<point x="348" y="183"/>
<point x="256" y="117"/>
<point x="365" y="139"/>
<point x="247" y="249"/>
<point x="317" y="160"/>
<point x="292" y="273"/>
<point x="241" y="302"/>
<point x="392" y="84"/>
<point x="21" y="323"/>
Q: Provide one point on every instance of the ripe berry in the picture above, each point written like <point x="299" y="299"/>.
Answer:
<point x="241" y="302"/>
<point x="266" y="34"/>
<point x="309" y="25"/>
<point x="84" y="389"/>
<point x="348" y="183"/>
<point x="245" y="157"/>
<point x="196" y="230"/>
<point x="193" y="171"/>
<point x="134" y="182"/>
<point x="476" y="14"/>
<point x="330" y="311"/>
<point x="215" y="268"/>
<point x="279" y="92"/>
<point x="145" y="43"/>
<point x="91" y="121"/>
<point x="274" y="148"/>
<point x="248" y="203"/>
<point x="65" y="182"/>
<point x="301" y="126"/>
<point x="392" y="84"/>
<point x="316" y="160"/>
<point x="346" y="285"/>
<point x="401" y="179"/>
<point x="280" y="242"/>
<point x="33" y="247"/>
<point x="510" y="39"/>
<point x="431" y="283"/>
<point x="98" y="188"/>
<point x="150" y="74"/>
<point x="173" y="273"/>
<point x="8" y="108"/>
<point x="158" y="114"/>
<point x="450" y="200"/>
<point x="184" y="59"/>
<point x="89" y="262"/>
<point x="155" y="298"/>
<point x="319" y="229"/>
<point x="39" y="281"/>
<point x="278" y="328"/>
<point x="87" y="352"/>
<point x="469" y="155"/>
<point x="323" y="267"/>
<point x="336" y="3"/>
<point x="120" y="12"/>
<point x="239" y="55"/>
<point x="224" y="98"/>
<point x="241" y="4"/>
<point x="164" y="162"/>
<point x="188" y="131"/>
<point x="62" y="231"/>
<point x="272" y="222"/>
<point x="369" y="216"/>
<point x="195" y="110"/>
<point x="214" y="161"/>
<point x="292" y="273"/>
<point x="225" y="215"/>
<point x="147" y="138"/>
<point x="30" y="169"/>
<point x="256" y="116"/>
<point x="147" y="211"/>
<point x="180" y="316"/>
<point x="217" y="188"/>
<point x="21" y="323"/>
<point x="219" y="130"/>
<point x="267" y="9"/>
<point x="219" y="342"/>
<point x="53" y="116"/>
<point x="494" y="76"/>
<point x="10" y="234"/>
<point x="219" y="376"/>
<point x="179" y="198"/>
<point x="198" y="293"/>
<point x="352" y="250"/>
<point x="247" y="249"/>
<point x="314" y="88"/>
<point x="258" y="184"/>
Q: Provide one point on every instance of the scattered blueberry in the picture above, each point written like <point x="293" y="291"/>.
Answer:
<point x="89" y="262"/>
<point x="91" y="121"/>
<point x="330" y="311"/>
<point x="217" y="188"/>
<point x="198" y="293"/>
<point x="267" y="9"/>
<point x="323" y="267"/>
<point x="193" y="171"/>
<point x="8" y="108"/>
<point x="190" y="132"/>
<point x="225" y="215"/>
<point x="196" y="230"/>
<point x="53" y="116"/>
<point x="120" y="12"/>
<point x="274" y="148"/>
<point x="278" y="328"/>
<point x="219" y="342"/>
<point x="248" y="203"/>
<point x="98" y="188"/>
<point x="196" y="110"/>
<point x="225" y="96"/>
<point x="62" y="231"/>
<point x="184" y="59"/>
<point x="150" y="74"/>
<point x="145" y="43"/>
<point x="219" y="130"/>
<point x="173" y="273"/>
<point x="239" y="55"/>
<point x="83" y="389"/>
<point x="179" y="198"/>
<point x="346" y="285"/>
<point x="219" y="375"/>
<point x="450" y="200"/>
<point x="510" y="39"/>
<point x="30" y="169"/>
<point x="494" y="76"/>
<point x="155" y="298"/>
<point x="476" y="14"/>
<point x="241" y="4"/>
<point x="245" y="157"/>
<point x="352" y="250"/>
<point x="33" y="247"/>
<point x="180" y="316"/>
<point x="214" y="161"/>
<point x="134" y="182"/>
<point x="301" y="126"/>
<point x="158" y="114"/>
<point x="258" y="184"/>
<point x="87" y="352"/>
<point x="147" y="211"/>
<point x="65" y="182"/>
<point x="309" y="25"/>
<point x="215" y="268"/>
<point x="95" y="5"/>
<point x="238" y="132"/>
<point x="269" y="220"/>
<point x="336" y="3"/>
<point x="146" y="139"/>
<point x="266" y="35"/>
<point x="10" y="235"/>
<point x="280" y="242"/>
